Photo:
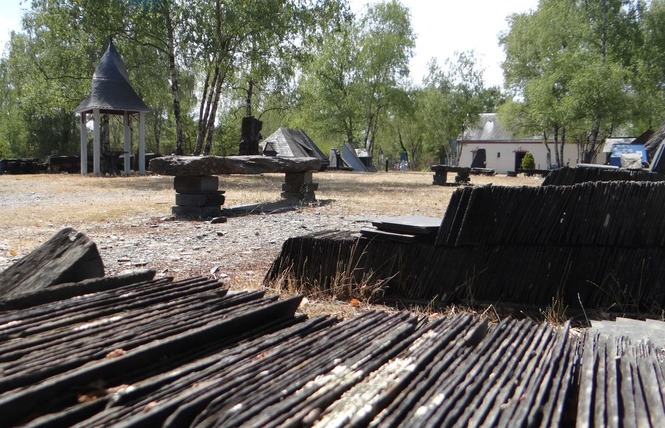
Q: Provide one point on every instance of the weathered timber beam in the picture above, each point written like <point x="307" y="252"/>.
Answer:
<point x="222" y="165"/>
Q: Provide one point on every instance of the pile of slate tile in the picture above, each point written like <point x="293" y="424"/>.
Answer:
<point x="567" y="176"/>
<point x="620" y="383"/>
<point x="162" y="353"/>
<point x="137" y="351"/>
<point x="598" y="244"/>
<point x="403" y="229"/>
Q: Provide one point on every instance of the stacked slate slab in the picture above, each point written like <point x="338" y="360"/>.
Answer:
<point x="197" y="196"/>
<point x="413" y="228"/>
<point x="601" y="245"/>
<point x="618" y="383"/>
<point x="189" y="353"/>
<point x="69" y="256"/>
<point x="299" y="187"/>
<point x="568" y="176"/>
<point x="196" y="182"/>
<point x="139" y="351"/>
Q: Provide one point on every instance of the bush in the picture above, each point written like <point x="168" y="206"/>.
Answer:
<point x="528" y="162"/>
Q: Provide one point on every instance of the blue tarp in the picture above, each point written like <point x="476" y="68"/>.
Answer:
<point x="620" y="149"/>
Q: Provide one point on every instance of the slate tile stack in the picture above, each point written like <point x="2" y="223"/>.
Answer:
<point x="568" y="176"/>
<point x="140" y="351"/>
<point x="299" y="186"/>
<point x="412" y="228"/>
<point x="197" y="196"/>
<point x="596" y="245"/>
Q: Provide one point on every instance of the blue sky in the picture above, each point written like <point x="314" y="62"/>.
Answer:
<point x="442" y="28"/>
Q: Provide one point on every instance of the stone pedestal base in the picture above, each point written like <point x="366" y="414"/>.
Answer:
<point x="440" y="175"/>
<point x="197" y="196"/>
<point x="298" y="186"/>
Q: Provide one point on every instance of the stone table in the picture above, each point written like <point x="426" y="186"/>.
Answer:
<point x="197" y="185"/>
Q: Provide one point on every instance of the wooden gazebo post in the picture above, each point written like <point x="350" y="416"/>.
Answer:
<point x="84" y="145"/>
<point x="111" y="93"/>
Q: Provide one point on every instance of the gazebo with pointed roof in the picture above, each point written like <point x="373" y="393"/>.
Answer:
<point x="111" y="93"/>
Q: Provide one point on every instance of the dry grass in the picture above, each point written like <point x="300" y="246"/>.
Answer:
<point x="30" y="200"/>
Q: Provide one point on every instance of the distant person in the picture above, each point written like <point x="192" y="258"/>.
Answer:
<point x="403" y="161"/>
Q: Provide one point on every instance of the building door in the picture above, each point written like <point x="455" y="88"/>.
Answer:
<point x="518" y="159"/>
<point x="479" y="159"/>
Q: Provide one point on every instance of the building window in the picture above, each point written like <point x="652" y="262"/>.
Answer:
<point x="498" y="154"/>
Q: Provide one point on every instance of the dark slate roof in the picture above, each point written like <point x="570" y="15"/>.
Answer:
<point x="351" y="158"/>
<point x="294" y="143"/>
<point x="110" y="89"/>
<point x="490" y="128"/>
<point x="655" y="141"/>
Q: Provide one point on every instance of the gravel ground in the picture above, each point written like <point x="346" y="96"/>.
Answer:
<point x="241" y="249"/>
<point x="238" y="251"/>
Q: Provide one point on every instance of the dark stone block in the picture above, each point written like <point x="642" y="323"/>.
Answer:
<point x="196" y="184"/>
<point x="196" y="212"/>
<point x="199" y="200"/>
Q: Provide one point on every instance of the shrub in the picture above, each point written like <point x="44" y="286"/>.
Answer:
<point x="528" y="162"/>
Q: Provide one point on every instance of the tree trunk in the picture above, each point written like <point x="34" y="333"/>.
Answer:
<point x="206" y="105"/>
<point x="549" y="150"/>
<point x="591" y="150"/>
<point x="173" y="70"/>
<point x="248" y="100"/>
<point x="556" y="146"/>
<point x="202" y="113"/>
<point x="563" y="144"/>
<point x="210" y="128"/>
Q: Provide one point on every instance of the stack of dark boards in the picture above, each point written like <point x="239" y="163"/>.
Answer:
<point x="21" y="166"/>
<point x="569" y="176"/>
<point x="404" y="229"/>
<point x="158" y="352"/>
<point x="599" y="244"/>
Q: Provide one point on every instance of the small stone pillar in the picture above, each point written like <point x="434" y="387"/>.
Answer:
<point x="197" y="196"/>
<point x="440" y="174"/>
<point x="463" y="175"/>
<point x="298" y="186"/>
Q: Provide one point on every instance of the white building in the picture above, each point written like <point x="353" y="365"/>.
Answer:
<point x="489" y="146"/>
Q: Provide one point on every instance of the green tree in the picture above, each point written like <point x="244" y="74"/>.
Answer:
<point x="454" y="97"/>
<point x="357" y="74"/>
<point x="385" y="47"/>
<point x="570" y="63"/>
<point x="649" y="64"/>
